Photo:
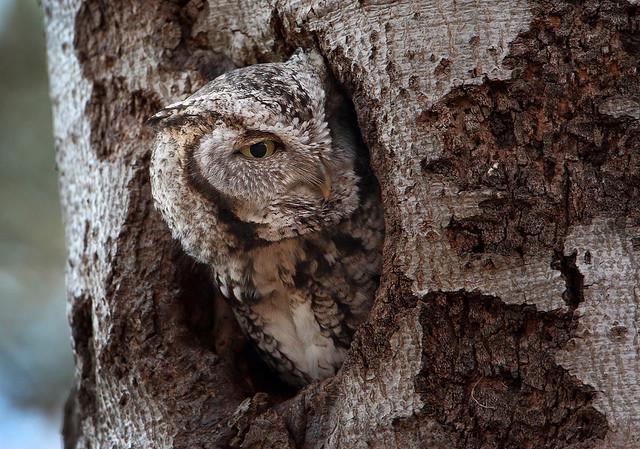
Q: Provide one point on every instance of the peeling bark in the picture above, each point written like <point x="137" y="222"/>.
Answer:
<point x="505" y="137"/>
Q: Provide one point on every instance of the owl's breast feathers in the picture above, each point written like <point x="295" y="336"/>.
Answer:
<point x="300" y="300"/>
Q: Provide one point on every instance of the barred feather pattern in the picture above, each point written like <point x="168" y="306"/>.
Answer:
<point x="298" y="267"/>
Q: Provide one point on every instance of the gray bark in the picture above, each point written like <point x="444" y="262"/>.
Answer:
<point x="505" y="138"/>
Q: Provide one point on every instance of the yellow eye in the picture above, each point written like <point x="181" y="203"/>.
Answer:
<point x="259" y="150"/>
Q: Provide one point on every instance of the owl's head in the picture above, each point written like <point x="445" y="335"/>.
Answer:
<point x="266" y="147"/>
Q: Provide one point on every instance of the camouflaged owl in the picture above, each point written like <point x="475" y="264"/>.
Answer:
<point x="262" y="176"/>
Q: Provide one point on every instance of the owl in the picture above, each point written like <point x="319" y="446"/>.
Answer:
<point x="262" y="176"/>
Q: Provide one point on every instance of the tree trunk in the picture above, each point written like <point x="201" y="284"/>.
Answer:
<point x="505" y="137"/>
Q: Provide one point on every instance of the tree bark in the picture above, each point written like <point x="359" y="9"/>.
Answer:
<point x="505" y="137"/>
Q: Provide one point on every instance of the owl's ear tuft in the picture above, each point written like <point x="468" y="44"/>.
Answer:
<point x="156" y="120"/>
<point x="173" y="115"/>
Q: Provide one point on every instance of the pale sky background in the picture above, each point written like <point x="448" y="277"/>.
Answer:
<point x="35" y="356"/>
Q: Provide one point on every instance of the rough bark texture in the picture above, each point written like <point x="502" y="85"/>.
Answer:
<point x="505" y="136"/>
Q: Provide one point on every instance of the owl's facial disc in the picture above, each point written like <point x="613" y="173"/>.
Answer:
<point x="264" y="148"/>
<point x="285" y="187"/>
<point x="261" y="147"/>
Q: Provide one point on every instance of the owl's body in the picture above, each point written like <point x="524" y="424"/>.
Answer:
<point x="261" y="175"/>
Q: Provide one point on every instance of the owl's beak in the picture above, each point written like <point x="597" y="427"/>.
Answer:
<point x="325" y="185"/>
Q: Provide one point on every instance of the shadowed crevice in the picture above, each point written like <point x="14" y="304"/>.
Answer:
<point x="574" y="280"/>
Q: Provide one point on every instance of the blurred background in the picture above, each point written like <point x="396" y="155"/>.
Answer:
<point x="35" y="356"/>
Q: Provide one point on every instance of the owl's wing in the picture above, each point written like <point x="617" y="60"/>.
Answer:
<point x="327" y="292"/>
<point x="344" y="271"/>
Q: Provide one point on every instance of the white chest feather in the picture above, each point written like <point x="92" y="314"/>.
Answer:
<point x="284" y="312"/>
<point x="291" y="321"/>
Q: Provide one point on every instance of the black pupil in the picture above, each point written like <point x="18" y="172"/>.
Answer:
<point x="258" y="149"/>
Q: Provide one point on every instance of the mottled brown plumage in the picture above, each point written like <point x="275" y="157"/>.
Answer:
<point x="261" y="175"/>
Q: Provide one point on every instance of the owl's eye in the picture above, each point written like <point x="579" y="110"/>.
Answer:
<point x="259" y="150"/>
